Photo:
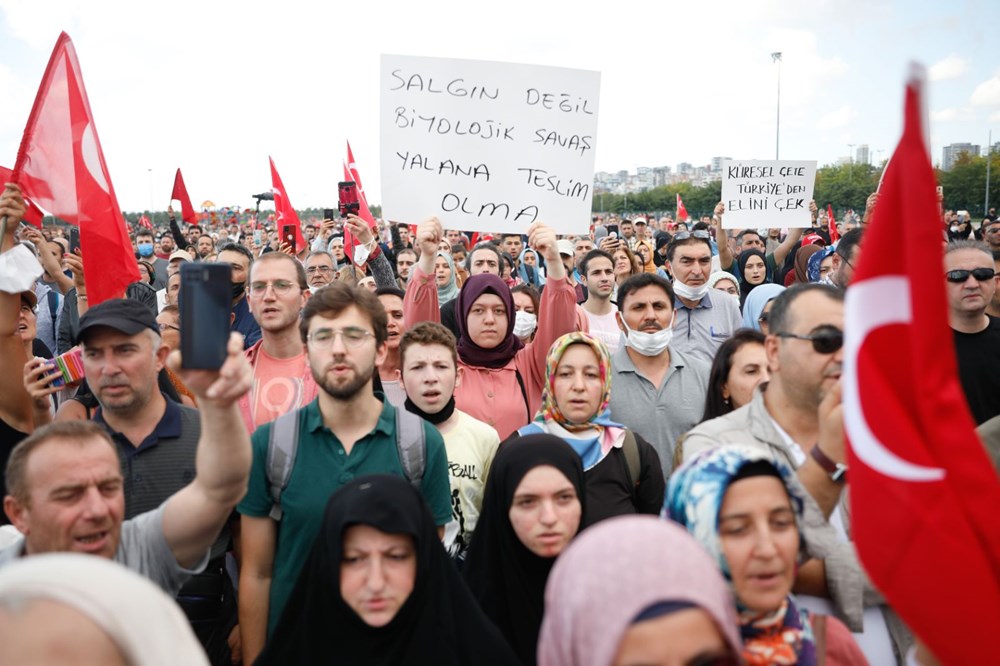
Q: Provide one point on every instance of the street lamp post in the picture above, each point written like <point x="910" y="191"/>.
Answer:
<point x="776" y="57"/>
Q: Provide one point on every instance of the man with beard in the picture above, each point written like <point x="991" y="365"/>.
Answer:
<point x="347" y="432"/>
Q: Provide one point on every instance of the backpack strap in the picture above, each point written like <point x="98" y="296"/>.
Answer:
<point x="633" y="466"/>
<point x="524" y="393"/>
<point x="410" y="445"/>
<point x="282" y="446"/>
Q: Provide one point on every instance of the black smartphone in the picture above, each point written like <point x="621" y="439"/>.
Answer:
<point x="205" y="301"/>
<point x="613" y="230"/>
<point x="328" y="213"/>
<point x="74" y="240"/>
<point x="288" y="237"/>
<point x="348" y="193"/>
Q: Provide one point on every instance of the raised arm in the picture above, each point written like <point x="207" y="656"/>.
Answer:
<point x="196" y="513"/>
<point x="379" y="265"/>
<point x="15" y="403"/>
<point x="421" y="302"/>
<point x="557" y="309"/>
<point x="175" y="230"/>
<point x="721" y="238"/>
<point x="791" y="240"/>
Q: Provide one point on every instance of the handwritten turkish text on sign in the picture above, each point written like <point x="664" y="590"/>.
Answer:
<point x="762" y="194"/>
<point x="487" y="146"/>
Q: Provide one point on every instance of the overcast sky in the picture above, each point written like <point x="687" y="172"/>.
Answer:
<point x="216" y="87"/>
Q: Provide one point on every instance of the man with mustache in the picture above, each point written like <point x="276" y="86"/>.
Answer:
<point x="657" y="390"/>
<point x="347" y="432"/>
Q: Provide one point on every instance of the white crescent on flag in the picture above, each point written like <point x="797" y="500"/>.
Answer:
<point x="872" y="304"/>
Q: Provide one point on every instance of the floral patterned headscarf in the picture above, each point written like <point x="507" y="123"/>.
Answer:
<point x="694" y="499"/>
<point x="610" y="433"/>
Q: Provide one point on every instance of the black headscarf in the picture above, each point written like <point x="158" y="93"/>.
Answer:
<point x="506" y="578"/>
<point x="746" y="287"/>
<point x="440" y="622"/>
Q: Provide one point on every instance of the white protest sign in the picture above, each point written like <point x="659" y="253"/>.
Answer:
<point x="767" y="194"/>
<point x="487" y="146"/>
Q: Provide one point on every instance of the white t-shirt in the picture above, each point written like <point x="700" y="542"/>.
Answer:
<point x="605" y="328"/>
<point x="471" y="446"/>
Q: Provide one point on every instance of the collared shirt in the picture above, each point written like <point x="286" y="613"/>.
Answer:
<point x="321" y="466"/>
<point x="162" y="463"/>
<point x="659" y="414"/>
<point x="701" y="330"/>
<point x="245" y="323"/>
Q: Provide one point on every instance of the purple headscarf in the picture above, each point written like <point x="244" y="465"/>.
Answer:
<point x="469" y="351"/>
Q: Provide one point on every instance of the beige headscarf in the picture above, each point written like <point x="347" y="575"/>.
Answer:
<point x="147" y="626"/>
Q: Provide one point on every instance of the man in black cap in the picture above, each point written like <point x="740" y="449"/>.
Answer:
<point x="157" y="438"/>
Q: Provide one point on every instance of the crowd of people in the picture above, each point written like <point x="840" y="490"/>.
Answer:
<point x="430" y="446"/>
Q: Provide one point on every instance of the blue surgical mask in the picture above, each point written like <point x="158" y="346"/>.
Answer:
<point x="145" y="249"/>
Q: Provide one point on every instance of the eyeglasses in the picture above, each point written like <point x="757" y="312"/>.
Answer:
<point x="961" y="275"/>
<point x="312" y="270"/>
<point x="353" y="336"/>
<point x="281" y="287"/>
<point x="684" y="235"/>
<point x="825" y="339"/>
<point x="168" y="327"/>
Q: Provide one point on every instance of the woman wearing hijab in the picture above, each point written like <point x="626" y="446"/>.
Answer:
<point x="529" y="269"/>
<point x="378" y="588"/>
<point x="502" y="378"/>
<point x="575" y="409"/>
<point x="644" y="253"/>
<point x="802" y="257"/>
<point x="444" y="277"/>
<point x="533" y="505"/>
<point x="726" y="282"/>
<point x="753" y="272"/>
<point x="747" y="511"/>
<point x="91" y="608"/>
<point x="633" y="577"/>
<point x="754" y="304"/>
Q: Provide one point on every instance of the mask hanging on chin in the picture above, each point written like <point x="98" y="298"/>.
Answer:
<point x="690" y="293"/>
<point x="649" y="344"/>
<point x="238" y="288"/>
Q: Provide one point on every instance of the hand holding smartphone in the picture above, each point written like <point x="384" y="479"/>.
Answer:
<point x="205" y="302"/>
<point x="348" y="195"/>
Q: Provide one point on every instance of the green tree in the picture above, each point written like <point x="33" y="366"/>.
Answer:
<point x="964" y="186"/>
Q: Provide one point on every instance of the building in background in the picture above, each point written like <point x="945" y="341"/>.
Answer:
<point x="951" y="153"/>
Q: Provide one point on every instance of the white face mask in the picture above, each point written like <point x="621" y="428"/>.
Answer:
<point x="649" y="344"/>
<point x="360" y="254"/>
<point x="524" y="323"/>
<point x="691" y="293"/>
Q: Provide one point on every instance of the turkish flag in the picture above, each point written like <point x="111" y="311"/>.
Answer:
<point x="284" y="211"/>
<point x="180" y="193"/>
<point x="832" y="222"/>
<point x="33" y="215"/>
<point x="351" y="173"/>
<point x="924" y="494"/>
<point x="682" y="213"/>
<point x="145" y="222"/>
<point x="60" y="166"/>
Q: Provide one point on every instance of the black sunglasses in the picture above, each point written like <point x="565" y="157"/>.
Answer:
<point x="825" y="339"/>
<point x="961" y="275"/>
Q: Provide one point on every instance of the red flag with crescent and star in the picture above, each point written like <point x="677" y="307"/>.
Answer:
<point x="682" y="212"/>
<point x="283" y="209"/>
<point x="924" y="494"/>
<point x="60" y="167"/>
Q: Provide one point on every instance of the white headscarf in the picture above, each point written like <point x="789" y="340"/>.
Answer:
<point x="147" y="626"/>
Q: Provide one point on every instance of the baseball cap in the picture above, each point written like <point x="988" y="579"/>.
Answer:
<point x="180" y="254"/>
<point x="122" y="314"/>
<point x="29" y="298"/>
<point x="812" y="239"/>
<point x="565" y="247"/>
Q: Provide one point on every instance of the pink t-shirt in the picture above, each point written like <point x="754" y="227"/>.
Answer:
<point x="280" y="385"/>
